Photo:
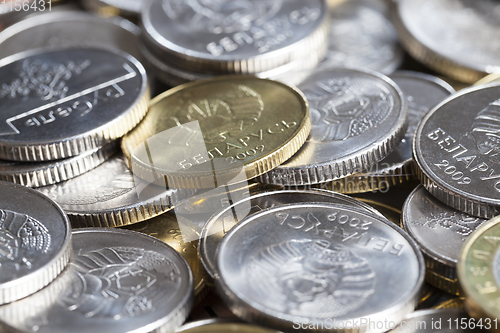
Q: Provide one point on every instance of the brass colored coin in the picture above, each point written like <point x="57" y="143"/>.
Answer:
<point x="223" y="123"/>
<point x="456" y="303"/>
<point x="488" y="79"/>
<point x="168" y="229"/>
<point x="479" y="272"/>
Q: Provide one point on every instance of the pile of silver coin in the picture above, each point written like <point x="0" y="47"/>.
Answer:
<point x="249" y="166"/>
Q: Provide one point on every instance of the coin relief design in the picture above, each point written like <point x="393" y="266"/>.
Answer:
<point x="486" y="131"/>
<point x="460" y="223"/>
<point x="312" y="278"/>
<point x="118" y="282"/>
<point x="22" y="238"/>
<point x="343" y="108"/>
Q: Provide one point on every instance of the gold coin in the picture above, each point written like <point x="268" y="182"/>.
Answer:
<point x="183" y="237"/>
<point x="488" y="79"/>
<point x="478" y="272"/>
<point x="203" y="133"/>
<point x="454" y="303"/>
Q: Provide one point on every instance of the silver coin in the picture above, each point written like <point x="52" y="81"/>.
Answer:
<point x="110" y="196"/>
<point x="117" y="281"/>
<point x="357" y="118"/>
<point x="320" y="265"/>
<point x="52" y="172"/>
<point x="440" y="232"/>
<point x="130" y="8"/>
<point x="457" y="38"/>
<point x="362" y="36"/>
<point x="228" y="36"/>
<point x="35" y="241"/>
<point x="58" y="104"/>
<point x="69" y="29"/>
<point x="220" y="223"/>
<point x="457" y="148"/>
<point x="441" y="320"/>
<point x="422" y="92"/>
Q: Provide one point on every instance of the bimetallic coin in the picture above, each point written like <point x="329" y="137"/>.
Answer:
<point x="117" y="281"/>
<point x="169" y="229"/>
<point x="456" y="149"/>
<point x="69" y="29"/>
<point x="110" y="196"/>
<point x="442" y="35"/>
<point x="131" y="8"/>
<point x="227" y="36"/>
<point x="422" y="92"/>
<point x="319" y="263"/>
<point x="478" y="272"/>
<point x="35" y="241"/>
<point x="48" y="173"/>
<point x="58" y="104"/>
<point x="358" y="118"/>
<point x="440" y="232"/>
<point x="362" y="36"/>
<point x="220" y="224"/>
<point x="439" y="320"/>
<point x="221" y="326"/>
<point x="206" y="132"/>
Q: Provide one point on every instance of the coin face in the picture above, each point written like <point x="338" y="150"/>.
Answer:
<point x="110" y="196"/>
<point x="310" y="262"/>
<point x="35" y="241"/>
<point x="57" y="104"/>
<point x="232" y="122"/>
<point x="227" y="36"/>
<point x="362" y="36"/>
<point x="442" y="35"/>
<point x="118" y="280"/>
<point x="220" y="223"/>
<point x="458" y="160"/>
<point x="69" y="29"/>
<point x="357" y="119"/>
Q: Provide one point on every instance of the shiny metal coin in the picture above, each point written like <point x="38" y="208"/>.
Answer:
<point x="58" y="104"/>
<point x="362" y="36"/>
<point x="422" y="92"/>
<point x="129" y="8"/>
<point x="221" y="326"/>
<point x="439" y="320"/>
<point x="219" y="224"/>
<point x="357" y="117"/>
<point x="440" y="232"/>
<point x="69" y="29"/>
<point x="457" y="149"/>
<point x="227" y="36"/>
<point x="110" y="196"/>
<point x="488" y="79"/>
<point x="320" y="266"/>
<point x="183" y="237"/>
<point x="117" y="281"/>
<point x="455" y="303"/>
<point x="478" y="272"/>
<point x="35" y="241"/>
<point x="443" y="35"/>
<point x="48" y="173"/>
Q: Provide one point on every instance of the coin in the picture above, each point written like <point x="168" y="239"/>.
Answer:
<point x="391" y="212"/>
<point x="310" y="265"/>
<point x="457" y="303"/>
<point x="358" y="118"/>
<point x="233" y="122"/>
<point x="429" y="295"/>
<point x="69" y="29"/>
<point x="221" y="222"/>
<point x="440" y="232"/>
<point x="61" y="103"/>
<point x="221" y="326"/>
<point x="442" y="35"/>
<point x="457" y="159"/>
<point x="110" y="196"/>
<point x="362" y="36"/>
<point x="488" y="79"/>
<point x="131" y="8"/>
<point x="422" y="92"/>
<point x="117" y="281"/>
<point x="478" y="268"/>
<point x="52" y="172"/>
<point x="174" y="232"/>
<point x="35" y="241"/>
<point x="234" y="36"/>
<point x="446" y="320"/>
